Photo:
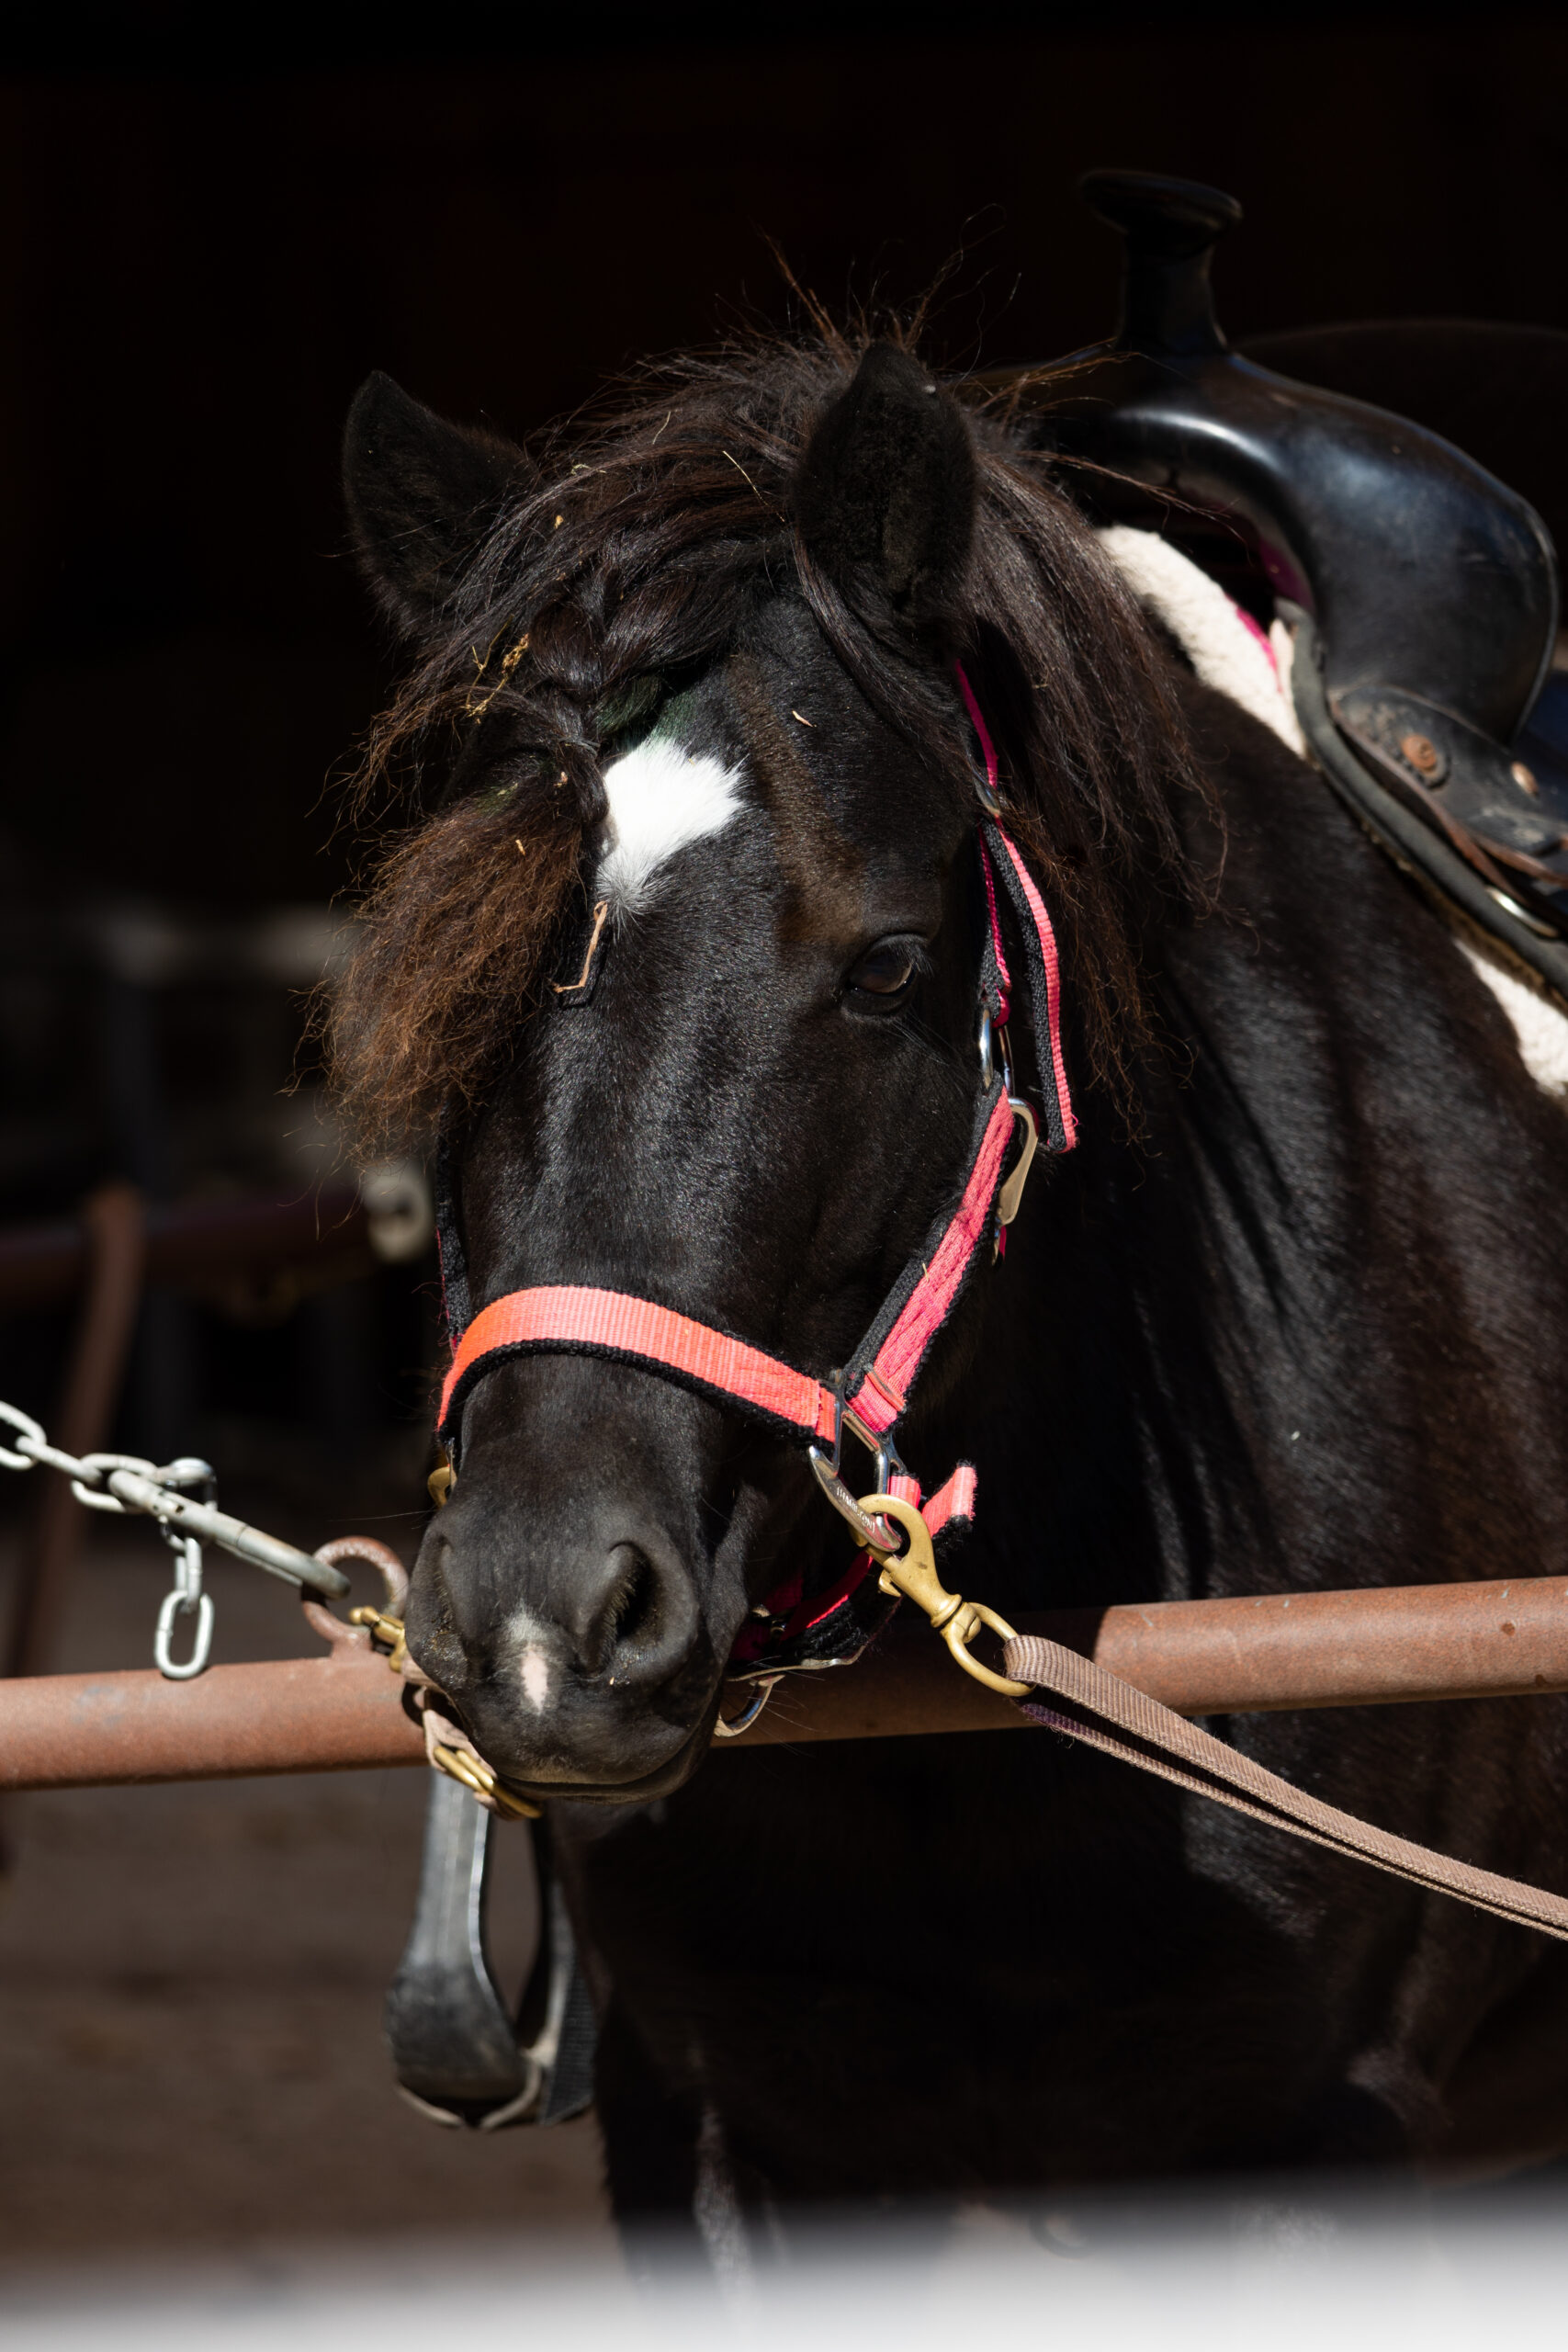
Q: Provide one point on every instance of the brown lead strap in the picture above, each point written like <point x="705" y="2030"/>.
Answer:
<point x="1146" y="1734"/>
<point x="1125" y="1721"/>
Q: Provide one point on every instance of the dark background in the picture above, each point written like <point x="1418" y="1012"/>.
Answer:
<point x="212" y="224"/>
<point x="204" y="254"/>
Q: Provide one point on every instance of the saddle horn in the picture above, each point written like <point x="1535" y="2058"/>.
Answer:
<point x="1171" y="228"/>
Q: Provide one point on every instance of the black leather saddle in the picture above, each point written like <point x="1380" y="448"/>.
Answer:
<point x="1422" y="591"/>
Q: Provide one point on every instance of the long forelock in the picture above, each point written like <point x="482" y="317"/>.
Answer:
<point x="633" y="563"/>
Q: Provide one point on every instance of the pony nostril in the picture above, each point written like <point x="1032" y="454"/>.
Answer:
<point x="432" y="1619"/>
<point x="634" y="1622"/>
<point x="635" y="1600"/>
<point x="628" y="1611"/>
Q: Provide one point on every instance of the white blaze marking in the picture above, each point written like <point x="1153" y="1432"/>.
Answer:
<point x="660" y="798"/>
<point x="535" y="1675"/>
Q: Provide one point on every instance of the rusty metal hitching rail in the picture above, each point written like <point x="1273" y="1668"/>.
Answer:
<point x="344" y="1712"/>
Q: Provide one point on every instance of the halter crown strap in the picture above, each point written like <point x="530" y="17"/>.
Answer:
<point x="999" y="852"/>
<point x="1000" y="856"/>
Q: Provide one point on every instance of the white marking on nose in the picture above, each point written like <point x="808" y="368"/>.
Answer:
<point x="660" y="798"/>
<point x="535" y="1675"/>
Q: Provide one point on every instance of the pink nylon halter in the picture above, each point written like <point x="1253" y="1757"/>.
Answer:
<point x="875" y="1394"/>
<point x="617" y="1323"/>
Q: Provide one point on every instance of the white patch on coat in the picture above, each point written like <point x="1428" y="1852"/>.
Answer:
<point x="660" y="798"/>
<point x="535" y="1675"/>
<point x="1226" y="655"/>
<point x="1282" y="645"/>
<point x="1539" y="1025"/>
<point x="1224" y="650"/>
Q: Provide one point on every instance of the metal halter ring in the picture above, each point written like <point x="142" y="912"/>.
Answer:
<point x="994" y="1034"/>
<point x="871" y="1534"/>
<point x="733" y="1726"/>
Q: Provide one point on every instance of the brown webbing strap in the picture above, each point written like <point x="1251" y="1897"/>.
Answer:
<point x="1149" y="1736"/>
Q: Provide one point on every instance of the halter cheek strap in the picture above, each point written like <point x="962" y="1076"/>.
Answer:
<point x="873" y="1393"/>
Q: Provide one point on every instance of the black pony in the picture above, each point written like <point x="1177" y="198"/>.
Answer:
<point x="1293" y="1314"/>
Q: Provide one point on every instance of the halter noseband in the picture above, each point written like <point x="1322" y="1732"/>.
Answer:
<point x="871" y="1395"/>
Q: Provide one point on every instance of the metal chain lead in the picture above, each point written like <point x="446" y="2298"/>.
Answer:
<point x="186" y="1596"/>
<point x="186" y="1599"/>
<point x="125" y="1484"/>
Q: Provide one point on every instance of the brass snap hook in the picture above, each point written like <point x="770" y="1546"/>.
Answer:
<point x="386" y="1629"/>
<point x="468" y="1767"/>
<point x="911" y="1575"/>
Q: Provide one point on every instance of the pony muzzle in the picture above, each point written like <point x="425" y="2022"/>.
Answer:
<point x="581" y="1660"/>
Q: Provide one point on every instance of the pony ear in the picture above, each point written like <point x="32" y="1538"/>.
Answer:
<point x="421" y="494"/>
<point x="885" y="499"/>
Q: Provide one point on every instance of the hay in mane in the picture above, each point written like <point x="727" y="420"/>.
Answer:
<point x="631" y="559"/>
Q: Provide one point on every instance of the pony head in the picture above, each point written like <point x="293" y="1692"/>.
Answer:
<point x="679" y="967"/>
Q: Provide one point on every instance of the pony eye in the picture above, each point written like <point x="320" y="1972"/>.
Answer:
<point x="886" y="970"/>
